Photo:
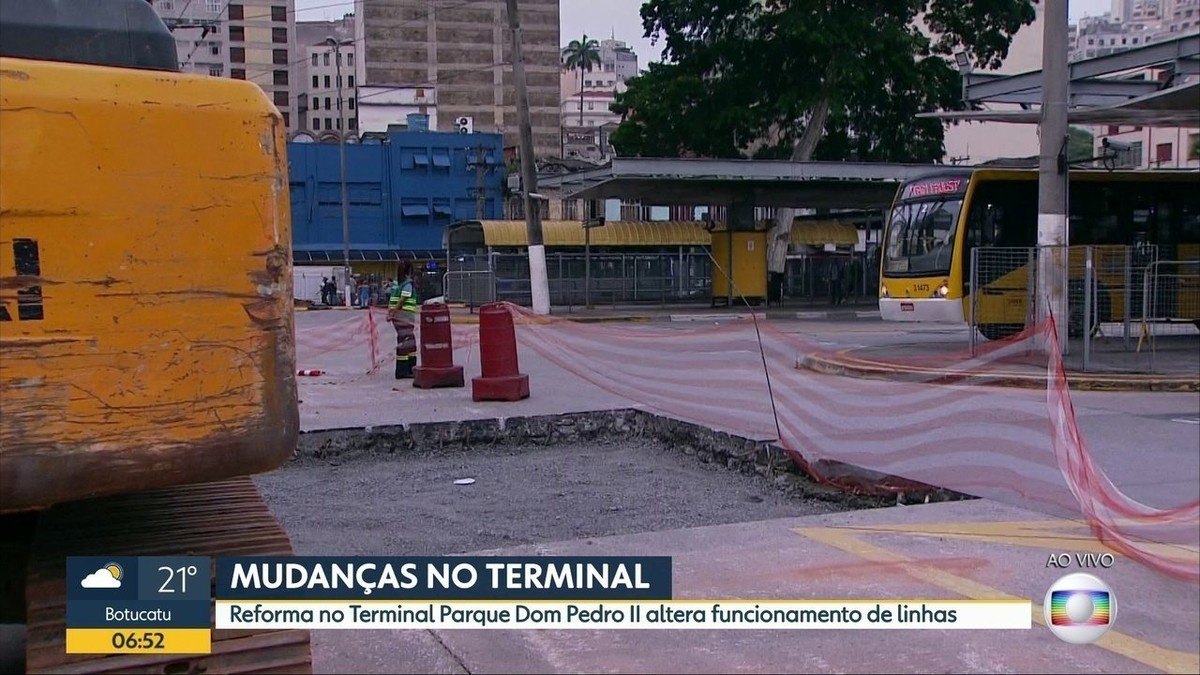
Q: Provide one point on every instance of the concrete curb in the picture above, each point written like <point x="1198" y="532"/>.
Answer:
<point x="847" y="366"/>
<point x="843" y="314"/>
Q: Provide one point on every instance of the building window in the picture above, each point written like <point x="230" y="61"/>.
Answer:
<point x="350" y="58"/>
<point x="1162" y="153"/>
<point x="339" y="58"/>
<point x="278" y="13"/>
<point x="1113" y="130"/>
<point x="350" y="103"/>
<point x="352" y="123"/>
<point x="215" y="71"/>
<point x="339" y="124"/>
<point x="237" y="33"/>
<point x="326" y="58"/>
<point x="314" y="61"/>
<point x="316" y="124"/>
<point x="237" y="54"/>
<point x="315" y="82"/>
<point x="237" y="73"/>
<point x="214" y="48"/>
<point x="279" y="57"/>
<point x="350" y="80"/>
<point x="316" y="103"/>
<point x="281" y="77"/>
<point x="279" y="36"/>
<point x="339" y="81"/>
<point x="281" y="98"/>
<point x="1193" y="147"/>
<point x="213" y="6"/>
<point x="328" y="103"/>
<point x="328" y="82"/>
<point x="165" y="5"/>
<point x="329" y="124"/>
<point x="236" y="13"/>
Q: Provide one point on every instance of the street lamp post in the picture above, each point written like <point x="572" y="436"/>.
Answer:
<point x="337" y="57"/>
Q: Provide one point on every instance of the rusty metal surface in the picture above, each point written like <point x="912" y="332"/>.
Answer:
<point x="213" y="519"/>
<point x="146" y="336"/>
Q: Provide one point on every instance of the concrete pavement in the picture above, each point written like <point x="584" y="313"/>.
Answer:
<point x="960" y="550"/>
<point x="977" y="549"/>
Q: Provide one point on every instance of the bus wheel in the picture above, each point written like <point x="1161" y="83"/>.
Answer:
<point x="999" y="331"/>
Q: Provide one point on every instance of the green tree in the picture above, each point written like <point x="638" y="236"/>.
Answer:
<point x="582" y="55"/>
<point x="1080" y="145"/>
<point x="798" y="79"/>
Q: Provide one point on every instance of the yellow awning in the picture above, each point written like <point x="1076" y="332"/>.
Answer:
<point x="511" y="233"/>
<point x="569" y="233"/>
<point x="823" y="232"/>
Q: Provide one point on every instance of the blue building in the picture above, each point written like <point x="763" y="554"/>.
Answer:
<point x="404" y="190"/>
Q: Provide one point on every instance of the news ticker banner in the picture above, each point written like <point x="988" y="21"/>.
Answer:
<point x="169" y="605"/>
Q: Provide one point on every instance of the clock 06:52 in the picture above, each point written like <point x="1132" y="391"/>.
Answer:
<point x="138" y="640"/>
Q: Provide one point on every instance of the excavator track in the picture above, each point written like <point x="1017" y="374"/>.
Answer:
<point x="214" y="519"/>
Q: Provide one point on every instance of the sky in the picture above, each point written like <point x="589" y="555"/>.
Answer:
<point x="602" y="19"/>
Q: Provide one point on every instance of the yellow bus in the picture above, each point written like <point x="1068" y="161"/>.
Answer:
<point x="937" y="220"/>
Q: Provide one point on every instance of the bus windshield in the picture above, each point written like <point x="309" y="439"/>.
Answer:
<point x="920" y="238"/>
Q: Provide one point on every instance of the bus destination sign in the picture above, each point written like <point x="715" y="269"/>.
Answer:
<point x="934" y="187"/>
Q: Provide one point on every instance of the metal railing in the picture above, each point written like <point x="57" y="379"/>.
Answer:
<point x="1170" y="307"/>
<point x="470" y="287"/>
<point x="649" y="277"/>
<point x="1114" y="294"/>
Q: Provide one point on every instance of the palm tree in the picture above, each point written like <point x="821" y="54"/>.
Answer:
<point x="582" y="55"/>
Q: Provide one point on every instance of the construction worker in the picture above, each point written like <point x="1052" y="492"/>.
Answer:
<point x="402" y="312"/>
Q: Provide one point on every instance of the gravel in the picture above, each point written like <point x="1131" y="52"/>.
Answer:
<point x="407" y="503"/>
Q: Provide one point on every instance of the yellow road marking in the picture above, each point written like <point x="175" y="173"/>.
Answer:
<point x="850" y="541"/>
<point x="1032" y="534"/>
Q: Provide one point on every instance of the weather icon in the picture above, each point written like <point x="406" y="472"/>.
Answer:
<point x="108" y="576"/>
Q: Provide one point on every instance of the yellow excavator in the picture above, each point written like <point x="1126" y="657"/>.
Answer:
<point x="147" y="358"/>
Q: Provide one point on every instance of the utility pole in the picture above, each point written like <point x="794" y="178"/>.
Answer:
<point x="337" y="55"/>
<point x="1052" y="167"/>
<point x="538" y="283"/>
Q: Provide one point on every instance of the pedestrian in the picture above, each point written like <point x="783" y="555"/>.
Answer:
<point x="835" y="282"/>
<point x="364" y="293"/>
<point x="402" y="313"/>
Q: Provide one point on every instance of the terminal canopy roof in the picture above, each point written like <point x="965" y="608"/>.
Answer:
<point x="688" y="182"/>
<point x="1111" y="89"/>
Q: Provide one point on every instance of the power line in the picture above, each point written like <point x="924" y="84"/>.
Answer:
<point x="225" y="8"/>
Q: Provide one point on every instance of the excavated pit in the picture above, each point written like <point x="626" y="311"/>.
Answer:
<point x="392" y="490"/>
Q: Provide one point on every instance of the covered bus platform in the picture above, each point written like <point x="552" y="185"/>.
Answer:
<point x="854" y="195"/>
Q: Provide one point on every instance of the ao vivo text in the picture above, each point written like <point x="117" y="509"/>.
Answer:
<point x="1085" y="560"/>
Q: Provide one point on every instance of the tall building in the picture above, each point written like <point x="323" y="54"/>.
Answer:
<point x="616" y="57"/>
<point x="463" y="50"/>
<point x="199" y="34"/>
<point x="317" y="72"/>
<point x="247" y="40"/>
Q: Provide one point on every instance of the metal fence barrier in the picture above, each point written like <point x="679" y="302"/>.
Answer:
<point x="1171" y="307"/>
<point x="1124" y="305"/>
<point x="650" y="277"/>
<point x="471" y="287"/>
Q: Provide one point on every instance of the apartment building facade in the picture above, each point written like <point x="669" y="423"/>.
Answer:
<point x="246" y="40"/>
<point x="319" y="66"/>
<point x="464" y="51"/>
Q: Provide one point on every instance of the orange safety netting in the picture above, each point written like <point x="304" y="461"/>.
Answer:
<point x="1017" y="446"/>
